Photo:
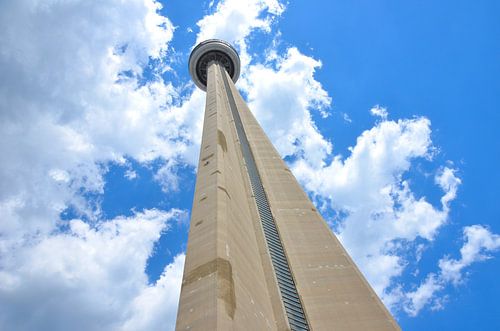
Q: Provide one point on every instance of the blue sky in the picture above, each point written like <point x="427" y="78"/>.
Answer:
<point x="386" y="112"/>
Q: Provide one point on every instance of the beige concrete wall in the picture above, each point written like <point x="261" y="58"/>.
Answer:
<point x="224" y="284"/>
<point x="334" y="293"/>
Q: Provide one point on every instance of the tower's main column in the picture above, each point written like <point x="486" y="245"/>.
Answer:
<point x="260" y="257"/>
<point x="224" y="284"/>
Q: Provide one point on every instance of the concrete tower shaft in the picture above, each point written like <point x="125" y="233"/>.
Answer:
<point x="260" y="256"/>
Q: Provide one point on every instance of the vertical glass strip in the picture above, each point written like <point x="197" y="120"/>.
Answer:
<point x="288" y="290"/>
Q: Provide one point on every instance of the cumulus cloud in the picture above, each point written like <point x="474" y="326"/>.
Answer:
<point x="286" y="89"/>
<point x="379" y="111"/>
<point x="449" y="182"/>
<point x="130" y="174"/>
<point x="478" y="243"/>
<point x="73" y="99"/>
<point x="235" y="20"/>
<point x="91" y="277"/>
<point x="380" y="216"/>
<point x="155" y="308"/>
<point x="420" y="297"/>
<point x="382" y="222"/>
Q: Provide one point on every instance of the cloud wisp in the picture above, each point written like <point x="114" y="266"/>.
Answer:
<point x="479" y="242"/>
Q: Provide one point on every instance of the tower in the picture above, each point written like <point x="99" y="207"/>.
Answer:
<point x="259" y="255"/>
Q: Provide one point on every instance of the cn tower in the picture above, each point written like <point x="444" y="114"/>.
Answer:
<point x="259" y="254"/>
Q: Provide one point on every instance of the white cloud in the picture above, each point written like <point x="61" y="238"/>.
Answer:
<point x="130" y="174"/>
<point x="379" y="111"/>
<point x="234" y="20"/>
<point x="420" y="297"/>
<point x="383" y="223"/>
<point x="383" y="218"/>
<point x="72" y="101"/>
<point x="478" y="243"/>
<point x="289" y="92"/>
<point x="156" y="306"/>
<point x="190" y="115"/>
<point x="447" y="180"/>
<point x="90" y="277"/>
<point x="346" y="117"/>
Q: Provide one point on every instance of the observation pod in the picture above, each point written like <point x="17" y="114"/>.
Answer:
<point x="213" y="50"/>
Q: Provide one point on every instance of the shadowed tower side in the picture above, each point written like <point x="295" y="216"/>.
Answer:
<point x="259" y="256"/>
